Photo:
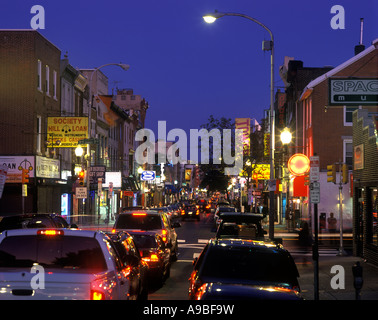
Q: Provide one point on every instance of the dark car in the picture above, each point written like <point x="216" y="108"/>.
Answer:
<point x="204" y="206"/>
<point x="246" y="263"/>
<point x="190" y="210"/>
<point x="240" y="225"/>
<point x="129" y="258"/>
<point x="33" y="220"/>
<point x="149" y="220"/>
<point x="155" y="253"/>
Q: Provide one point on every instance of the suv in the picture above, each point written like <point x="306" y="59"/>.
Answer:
<point x="240" y="225"/>
<point x="148" y="220"/>
<point x="235" y="265"/>
<point x="33" y="220"/>
<point x="76" y="264"/>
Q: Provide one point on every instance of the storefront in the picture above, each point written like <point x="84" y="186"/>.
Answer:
<point x="365" y="187"/>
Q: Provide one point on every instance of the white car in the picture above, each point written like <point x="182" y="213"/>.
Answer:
<point x="59" y="264"/>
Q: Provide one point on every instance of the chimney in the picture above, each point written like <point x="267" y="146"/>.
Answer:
<point x="359" y="48"/>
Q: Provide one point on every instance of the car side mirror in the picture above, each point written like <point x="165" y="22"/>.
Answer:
<point x="194" y="261"/>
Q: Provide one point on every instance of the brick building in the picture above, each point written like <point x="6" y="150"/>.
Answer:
<point x="30" y="92"/>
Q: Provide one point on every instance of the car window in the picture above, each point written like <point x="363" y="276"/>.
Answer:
<point x="146" y="222"/>
<point x="17" y="222"/>
<point x="115" y="249"/>
<point x="68" y="252"/>
<point x="144" y="241"/>
<point x="60" y="222"/>
<point x="249" y="264"/>
<point x="133" y="249"/>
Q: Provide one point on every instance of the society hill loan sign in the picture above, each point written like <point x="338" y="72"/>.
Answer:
<point x="65" y="132"/>
<point x="353" y="92"/>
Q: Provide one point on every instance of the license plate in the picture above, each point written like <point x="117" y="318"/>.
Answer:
<point x="190" y="212"/>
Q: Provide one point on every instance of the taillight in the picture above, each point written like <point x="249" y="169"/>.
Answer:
<point x="50" y="232"/>
<point x="152" y="258"/>
<point x="97" y="295"/>
<point x="140" y="214"/>
<point x="113" y="230"/>
<point x="182" y="212"/>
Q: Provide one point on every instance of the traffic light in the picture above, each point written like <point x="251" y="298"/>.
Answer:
<point x="331" y="173"/>
<point x="307" y="178"/>
<point x="25" y="176"/>
<point x="345" y="173"/>
<point x="81" y="178"/>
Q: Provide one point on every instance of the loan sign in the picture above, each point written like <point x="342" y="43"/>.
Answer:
<point x="65" y="132"/>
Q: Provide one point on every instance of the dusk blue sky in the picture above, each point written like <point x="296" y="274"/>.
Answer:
<point x="187" y="69"/>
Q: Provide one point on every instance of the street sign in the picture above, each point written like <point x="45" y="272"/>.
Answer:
<point x="315" y="192"/>
<point x="81" y="193"/>
<point x="314" y="168"/>
<point x="148" y="175"/>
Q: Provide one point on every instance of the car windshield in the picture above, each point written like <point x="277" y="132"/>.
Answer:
<point x="143" y="222"/>
<point x="144" y="241"/>
<point x="249" y="264"/>
<point x="244" y="230"/>
<point x="68" y="252"/>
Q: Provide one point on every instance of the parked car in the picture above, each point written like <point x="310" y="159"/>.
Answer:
<point x="149" y="220"/>
<point x="245" y="263"/>
<point x="77" y="264"/>
<point x="219" y="210"/>
<point x="33" y="220"/>
<point x="130" y="258"/>
<point x="240" y="225"/>
<point x="155" y="253"/>
<point x="190" y="210"/>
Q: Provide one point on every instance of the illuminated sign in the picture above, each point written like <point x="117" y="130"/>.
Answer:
<point x="245" y="125"/>
<point x="298" y="164"/>
<point x="261" y="172"/>
<point x="65" y="132"/>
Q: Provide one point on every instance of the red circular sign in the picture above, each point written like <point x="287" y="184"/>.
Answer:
<point x="298" y="164"/>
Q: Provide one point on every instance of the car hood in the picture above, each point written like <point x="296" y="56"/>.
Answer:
<point x="228" y="291"/>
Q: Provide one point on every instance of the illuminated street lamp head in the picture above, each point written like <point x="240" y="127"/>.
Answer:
<point x="211" y="17"/>
<point x="286" y="136"/>
<point x="79" y="151"/>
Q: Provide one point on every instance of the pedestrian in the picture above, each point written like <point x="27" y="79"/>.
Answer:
<point x="331" y="223"/>
<point x="305" y="240"/>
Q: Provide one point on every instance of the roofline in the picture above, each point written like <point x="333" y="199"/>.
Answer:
<point x="32" y="30"/>
<point x="308" y="89"/>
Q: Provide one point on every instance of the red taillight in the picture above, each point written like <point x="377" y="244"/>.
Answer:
<point x="50" y="232"/>
<point x="139" y="214"/>
<point x="182" y="212"/>
<point x="97" y="295"/>
<point x="152" y="258"/>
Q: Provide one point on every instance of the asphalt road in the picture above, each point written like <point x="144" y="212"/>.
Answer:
<point x="192" y="237"/>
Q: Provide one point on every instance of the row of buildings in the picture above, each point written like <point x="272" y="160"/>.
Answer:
<point x="332" y="113"/>
<point x="49" y="108"/>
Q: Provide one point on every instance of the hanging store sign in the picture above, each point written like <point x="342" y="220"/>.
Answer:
<point x="355" y="92"/>
<point x="298" y="164"/>
<point x="244" y="124"/>
<point x="65" y="132"/>
<point x="261" y="172"/>
<point x="47" y="168"/>
<point x="15" y="164"/>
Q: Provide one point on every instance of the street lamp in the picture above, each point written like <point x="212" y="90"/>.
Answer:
<point x="210" y="18"/>
<point x="286" y="136"/>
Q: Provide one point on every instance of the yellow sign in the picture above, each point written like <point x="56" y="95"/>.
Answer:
<point x="261" y="172"/>
<point x="65" y="132"/>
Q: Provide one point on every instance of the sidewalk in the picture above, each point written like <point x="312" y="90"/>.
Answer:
<point x="326" y="277"/>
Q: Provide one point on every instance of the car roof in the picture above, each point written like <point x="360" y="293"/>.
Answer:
<point x="268" y="245"/>
<point x="67" y="232"/>
<point x="241" y="217"/>
<point x="152" y="212"/>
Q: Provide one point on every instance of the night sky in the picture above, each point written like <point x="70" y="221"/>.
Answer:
<point x="187" y="69"/>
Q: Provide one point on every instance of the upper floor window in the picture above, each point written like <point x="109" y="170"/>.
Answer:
<point x="39" y="75"/>
<point x="54" y="83"/>
<point x="348" y="115"/>
<point x="47" y="80"/>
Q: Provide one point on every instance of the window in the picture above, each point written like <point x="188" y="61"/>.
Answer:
<point x="348" y="115"/>
<point x="54" y="84"/>
<point x="348" y="152"/>
<point x="47" y="80"/>
<point x="39" y="78"/>
<point x="39" y="134"/>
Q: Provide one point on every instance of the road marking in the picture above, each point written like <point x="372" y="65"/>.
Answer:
<point x="203" y="240"/>
<point x="196" y="255"/>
